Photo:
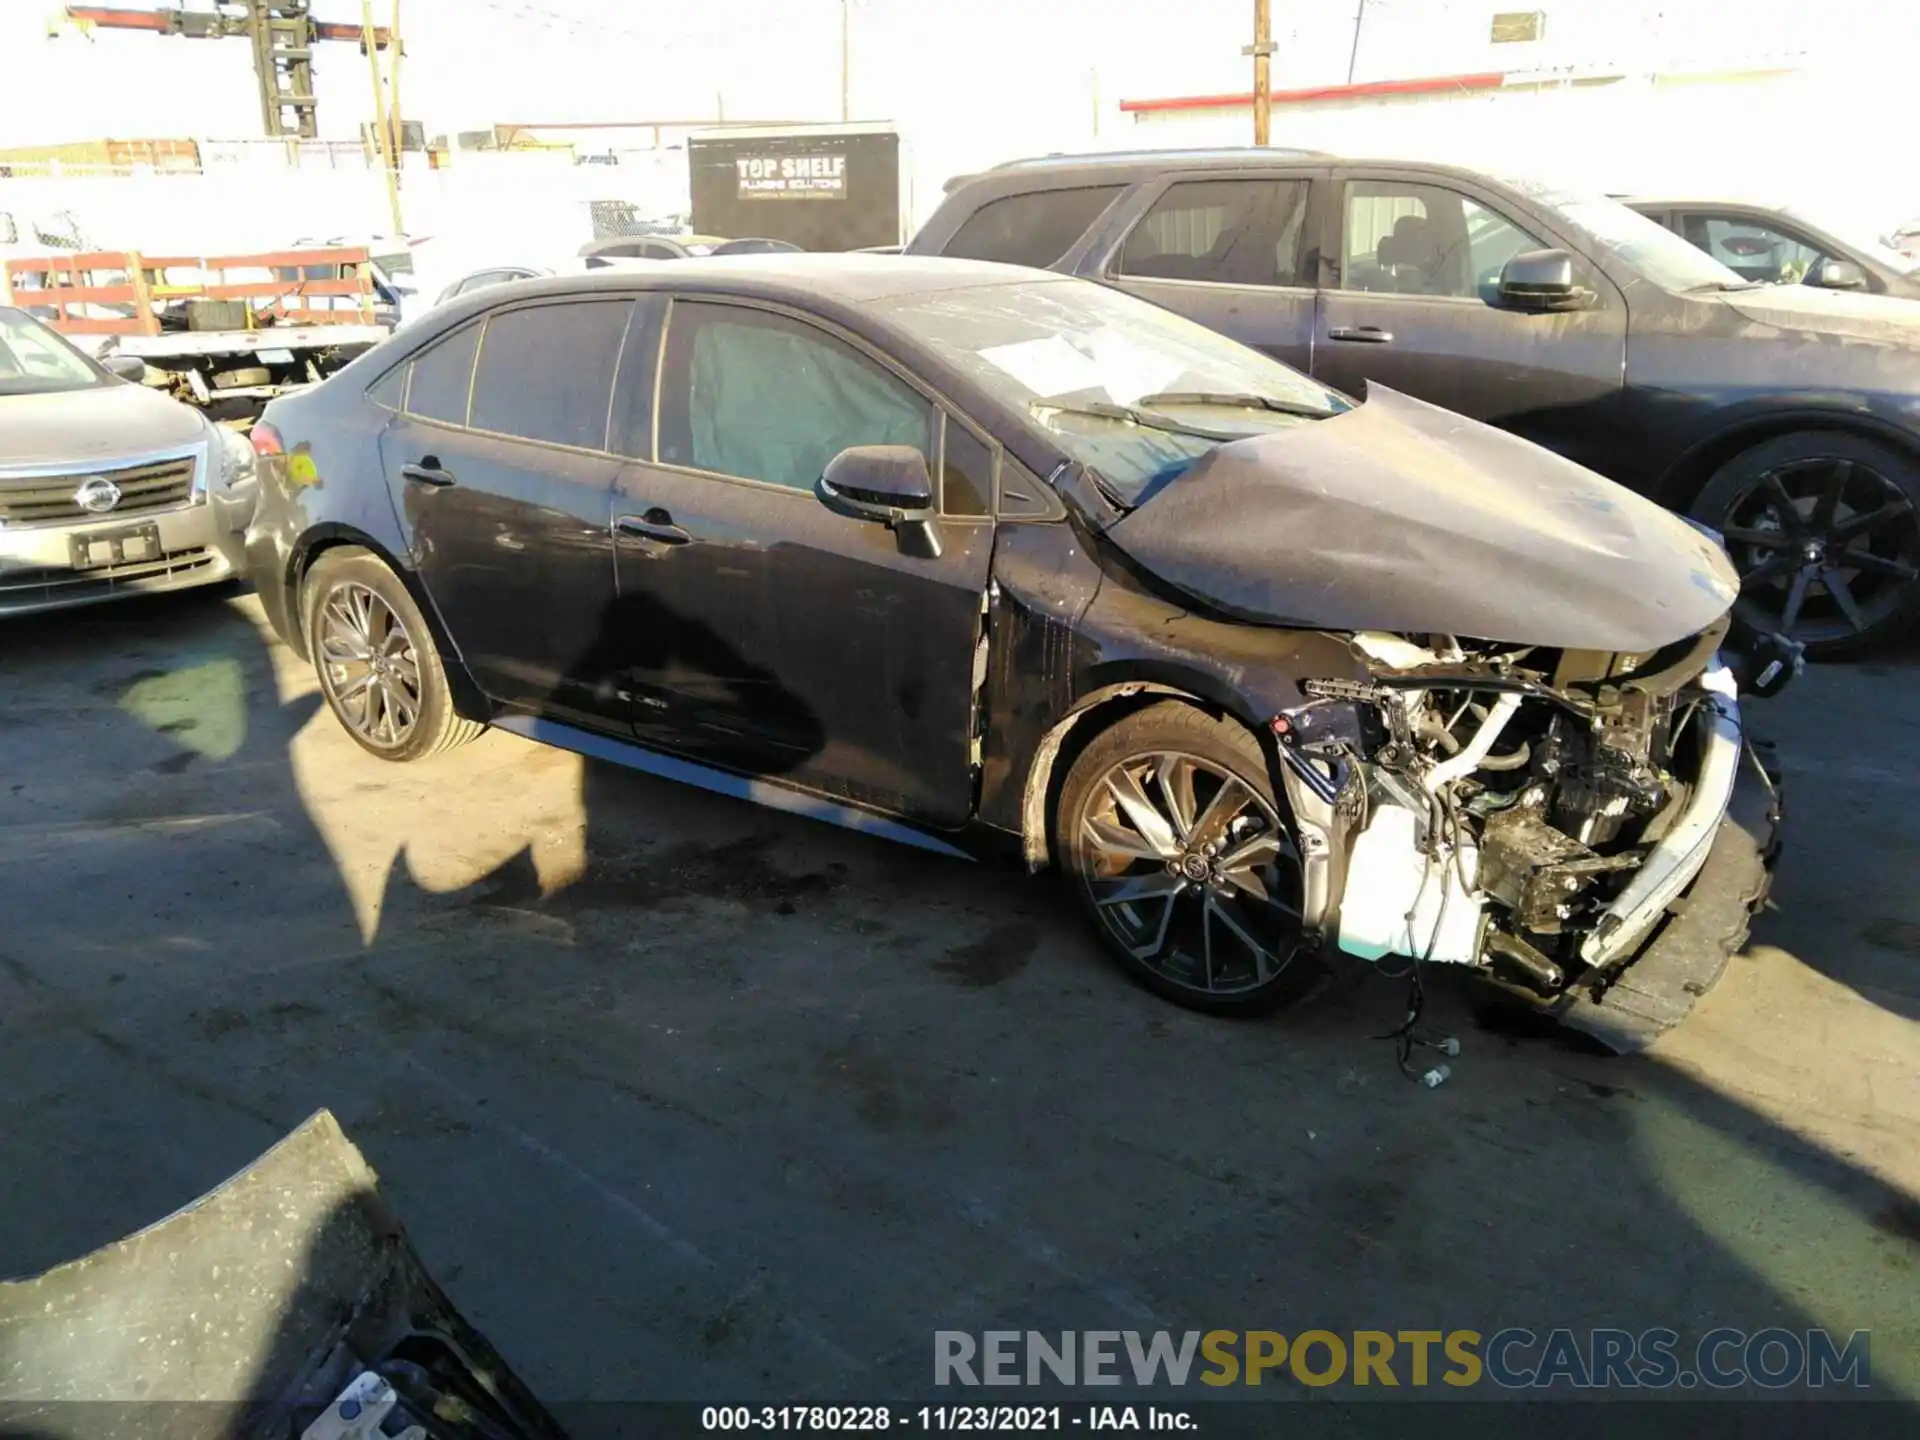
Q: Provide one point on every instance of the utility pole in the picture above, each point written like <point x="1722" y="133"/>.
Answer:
<point x="1353" y="55"/>
<point x="1262" y="51"/>
<point x="382" y="127"/>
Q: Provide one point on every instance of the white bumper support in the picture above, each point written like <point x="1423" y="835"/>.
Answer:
<point x="1677" y="859"/>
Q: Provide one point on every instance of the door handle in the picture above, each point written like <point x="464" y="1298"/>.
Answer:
<point x="656" y="525"/>
<point x="1361" y="334"/>
<point x="427" y="471"/>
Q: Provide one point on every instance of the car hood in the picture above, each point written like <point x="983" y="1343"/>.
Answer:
<point x="1401" y="516"/>
<point x="1883" y="319"/>
<point x="86" y="427"/>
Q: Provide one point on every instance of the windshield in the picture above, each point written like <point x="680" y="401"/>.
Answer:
<point x="1642" y="245"/>
<point x="1132" y="391"/>
<point x="1861" y="241"/>
<point x="35" y="361"/>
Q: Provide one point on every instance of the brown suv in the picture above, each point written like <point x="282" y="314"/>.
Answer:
<point x="1786" y="417"/>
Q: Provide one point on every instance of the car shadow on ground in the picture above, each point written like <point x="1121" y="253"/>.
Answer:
<point x="682" y="1098"/>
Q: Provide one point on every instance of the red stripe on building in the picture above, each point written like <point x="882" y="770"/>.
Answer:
<point x="1371" y="89"/>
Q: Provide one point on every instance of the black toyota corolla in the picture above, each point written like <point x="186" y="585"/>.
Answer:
<point x="984" y="559"/>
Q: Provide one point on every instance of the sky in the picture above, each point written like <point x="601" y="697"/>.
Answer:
<point x="472" y="63"/>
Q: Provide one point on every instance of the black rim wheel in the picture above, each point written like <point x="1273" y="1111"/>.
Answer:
<point x="1827" y="548"/>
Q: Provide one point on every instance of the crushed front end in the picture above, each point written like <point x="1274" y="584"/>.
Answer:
<point x="1590" y="829"/>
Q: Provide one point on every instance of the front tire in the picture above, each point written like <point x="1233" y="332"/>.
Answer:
<point x="1174" y="841"/>
<point x="376" y="661"/>
<point x="1824" y="528"/>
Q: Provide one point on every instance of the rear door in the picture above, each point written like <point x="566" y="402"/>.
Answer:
<point x="1413" y="273"/>
<point x="1237" y="253"/>
<point x="501" y="473"/>
<point x="766" y="634"/>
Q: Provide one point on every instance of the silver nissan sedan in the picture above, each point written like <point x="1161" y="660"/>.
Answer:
<point x="107" y="488"/>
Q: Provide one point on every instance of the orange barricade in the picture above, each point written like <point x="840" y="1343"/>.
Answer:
<point x="304" y="287"/>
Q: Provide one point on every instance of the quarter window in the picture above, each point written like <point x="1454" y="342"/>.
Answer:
<point x="1034" y="229"/>
<point x="1229" y="232"/>
<point x="1407" y="239"/>
<point x="966" y="472"/>
<point x="546" y="373"/>
<point x="443" y="378"/>
<point x="765" y="397"/>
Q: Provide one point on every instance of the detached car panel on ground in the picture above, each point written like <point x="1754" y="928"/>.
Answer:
<point x="1786" y="417"/>
<point x="107" y="489"/>
<point x="993" y="560"/>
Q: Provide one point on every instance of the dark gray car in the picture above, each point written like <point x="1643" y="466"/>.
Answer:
<point x="1784" y="246"/>
<point x="1786" y="417"/>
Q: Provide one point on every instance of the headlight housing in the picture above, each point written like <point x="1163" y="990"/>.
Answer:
<point x="235" y="454"/>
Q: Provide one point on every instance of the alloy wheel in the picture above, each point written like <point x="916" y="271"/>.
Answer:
<point x="1826" y="548"/>
<point x="1192" y="872"/>
<point x="369" y="666"/>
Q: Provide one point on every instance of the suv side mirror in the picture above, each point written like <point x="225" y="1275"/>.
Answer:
<point x="1540" y="280"/>
<point x="886" y="485"/>
<point x="1838" y="275"/>
<point x="126" y="367"/>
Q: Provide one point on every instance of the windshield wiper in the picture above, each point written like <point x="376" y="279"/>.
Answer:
<point x="1725" y="286"/>
<point x="1133" y="415"/>
<point x="1244" y="402"/>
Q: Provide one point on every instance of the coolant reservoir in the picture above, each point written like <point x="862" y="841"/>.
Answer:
<point x="1399" y="901"/>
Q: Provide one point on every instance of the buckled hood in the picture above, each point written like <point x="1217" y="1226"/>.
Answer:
<point x="1401" y="516"/>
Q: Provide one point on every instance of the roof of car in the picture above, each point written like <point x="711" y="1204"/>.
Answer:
<point x="1730" y="201"/>
<point x="798" y="277"/>
<point x="1128" y="165"/>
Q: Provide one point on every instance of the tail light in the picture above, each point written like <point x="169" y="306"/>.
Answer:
<point x="267" y="441"/>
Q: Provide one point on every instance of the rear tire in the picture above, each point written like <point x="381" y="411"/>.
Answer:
<point x="377" y="664"/>
<point x="1173" y="839"/>
<point x="1824" y="528"/>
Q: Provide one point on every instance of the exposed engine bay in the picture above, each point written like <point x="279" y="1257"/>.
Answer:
<point x="1532" y="813"/>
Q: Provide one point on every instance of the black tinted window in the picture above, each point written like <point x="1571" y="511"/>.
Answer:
<point x="764" y="397"/>
<point x="1035" y="229"/>
<point x="442" y="378"/>
<point x="632" y="431"/>
<point x="546" y="373"/>
<point x="966" y="473"/>
<point x="390" y="389"/>
<point x="1230" y="232"/>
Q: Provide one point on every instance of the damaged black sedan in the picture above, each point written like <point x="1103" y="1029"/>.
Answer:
<point x="983" y="559"/>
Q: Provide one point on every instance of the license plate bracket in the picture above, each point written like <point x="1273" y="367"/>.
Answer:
<point x="124" y="545"/>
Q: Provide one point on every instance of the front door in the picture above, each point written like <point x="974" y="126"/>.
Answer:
<point x="1236" y="254"/>
<point x="768" y="635"/>
<point x="1410" y="304"/>
<point x="501" y="475"/>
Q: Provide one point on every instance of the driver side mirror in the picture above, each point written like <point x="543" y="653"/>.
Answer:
<point x="126" y="367"/>
<point x="886" y="485"/>
<point x="1838" y="275"/>
<point x="1540" y="280"/>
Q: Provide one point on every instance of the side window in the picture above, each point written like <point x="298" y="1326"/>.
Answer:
<point x="1408" y="239"/>
<point x="443" y="378"/>
<point x="1229" y="232"/>
<point x="631" y="433"/>
<point x="546" y="372"/>
<point x="1035" y="229"/>
<point x="1751" y="249"/>
<point x="766" y="397"/>
<point x="966" y="471"/>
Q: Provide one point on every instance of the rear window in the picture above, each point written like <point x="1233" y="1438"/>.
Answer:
<point x="1034" y="229"/>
